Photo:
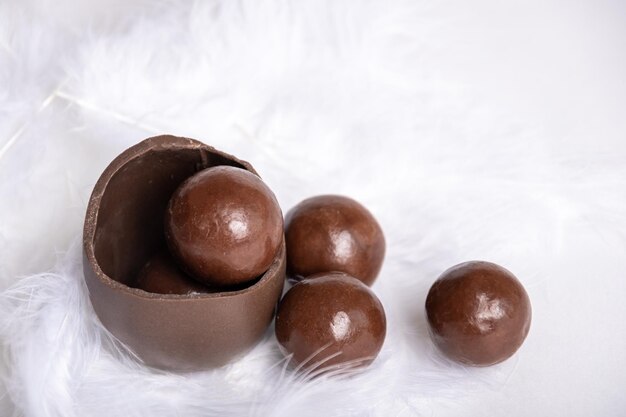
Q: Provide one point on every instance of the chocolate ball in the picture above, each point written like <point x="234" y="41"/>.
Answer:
<point x="333" y="233"/>
<point x="478" y="313"/>
<point x="224" y="226"/>
<point x="161" y="275"/>
<point x="330" y="320"/>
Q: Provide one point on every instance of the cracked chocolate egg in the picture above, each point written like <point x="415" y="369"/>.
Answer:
<point x="124" y="231"/>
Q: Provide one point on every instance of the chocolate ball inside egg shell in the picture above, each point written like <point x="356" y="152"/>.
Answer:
<point x="333" y="233"/>
<point x="161" y="275"/>
<point x="224" y="226"/>
<point x="330" y="321"/>
<point x="478" y="313"/>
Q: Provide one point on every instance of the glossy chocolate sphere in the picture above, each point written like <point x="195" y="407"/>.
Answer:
<point x="224" y="226"/>
<point x="333" y="233"/>
<point x="330" y="320"/>
<point x="478" y="312"/>
<point x="161" y="275"/>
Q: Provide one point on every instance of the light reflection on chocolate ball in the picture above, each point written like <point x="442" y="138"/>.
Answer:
<point x="224" y="226"/>
<point x="333" y="233"/>
<point x="330" y="320"/>
<point x="478" y="312"/>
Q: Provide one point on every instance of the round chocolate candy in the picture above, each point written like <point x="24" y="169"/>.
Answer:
<point x="478" y="313"/>
<point x="329" y="321"/>
<point x="224" y="226"/>
<point x="333" y="233"/>
<point x="161" y="275"/>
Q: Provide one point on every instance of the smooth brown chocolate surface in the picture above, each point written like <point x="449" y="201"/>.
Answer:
<point x="224" y="226"/>
<point x="161" y="275"/>
<point x="478" y="312"/>
<point x="330" y="320"/>
<point x="124" y="229"/>
<point x="333" y="233"/>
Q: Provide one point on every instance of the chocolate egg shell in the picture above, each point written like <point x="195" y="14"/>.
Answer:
<point x="124" y="229"/>
<point x="333" y="233"/>
<point x="478" y="313"/>
<point x="161" y="275"/>
<point x="224" y="226"/>
<point x="330" y="320"/>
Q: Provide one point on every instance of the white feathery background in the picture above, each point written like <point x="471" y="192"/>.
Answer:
<point x="472" y="130"/>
